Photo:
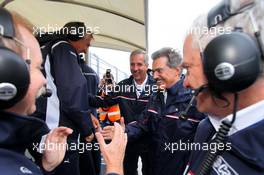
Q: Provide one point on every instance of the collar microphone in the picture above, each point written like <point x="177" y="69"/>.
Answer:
<point x="183" y="115"/>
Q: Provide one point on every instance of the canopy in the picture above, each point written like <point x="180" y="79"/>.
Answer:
<point x="117" y="24"/>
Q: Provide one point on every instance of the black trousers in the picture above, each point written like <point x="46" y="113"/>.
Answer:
<point x="86" y="163"/>
<point x="131" y="161"/>
<point x="90" y="159"/>
<point x="70" y="164"/>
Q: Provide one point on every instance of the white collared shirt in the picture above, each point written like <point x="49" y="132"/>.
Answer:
<point x="140" y="87"/>
<point x="165" y="94"/>
<point x="244" y="118"/>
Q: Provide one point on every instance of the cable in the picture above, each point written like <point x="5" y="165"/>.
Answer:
<point x="221" y="137"/>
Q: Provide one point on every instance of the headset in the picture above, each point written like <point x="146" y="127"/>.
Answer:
<point x="232" y="62"/>
<point x="14" y="71"/>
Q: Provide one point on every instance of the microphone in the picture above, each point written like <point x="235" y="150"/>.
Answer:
<point x="183" y="115"/>
<point x="44" y="92"/>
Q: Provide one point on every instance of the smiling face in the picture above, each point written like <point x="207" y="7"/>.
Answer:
<point x="165" y="76"/>
<point x="27" y="105"/>
<point x="138" y="67"/>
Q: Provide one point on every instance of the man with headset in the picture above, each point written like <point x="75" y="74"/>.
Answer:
<point x="15" y="39"/>
<point x="220" y="87"/>
<point x="20" y="84"/>
<point x="227" y="70"/>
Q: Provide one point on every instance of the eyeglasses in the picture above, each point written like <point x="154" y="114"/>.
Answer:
<point x="159" y="70"/>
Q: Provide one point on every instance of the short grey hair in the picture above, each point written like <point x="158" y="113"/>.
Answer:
<point x="139" y="52"/>
<point x="173" y="56"/>
<point x="246" y="9"/>
<point x="9" y="42"/>
<point x="250" y="16"/>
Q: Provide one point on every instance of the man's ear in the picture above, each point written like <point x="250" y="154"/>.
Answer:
<point x="178" y="70"/>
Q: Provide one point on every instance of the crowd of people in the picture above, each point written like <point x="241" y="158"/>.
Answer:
<point x="206" y="121"/>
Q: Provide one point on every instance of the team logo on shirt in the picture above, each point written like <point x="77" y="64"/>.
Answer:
<point x="25" y="170"/>
<point x="221" y="167"/>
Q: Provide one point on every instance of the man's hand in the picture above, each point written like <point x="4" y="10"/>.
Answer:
<point x="54" y="154"/>
<point x="96" y="123"/>
<point x="113" y="152"/>
<point x="89" y="138"/>
<point x="108" y="131"/>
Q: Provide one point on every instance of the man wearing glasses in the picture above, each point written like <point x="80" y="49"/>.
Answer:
<point x="161" y="118"/>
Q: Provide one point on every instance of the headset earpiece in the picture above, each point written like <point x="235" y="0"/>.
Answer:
<point x="14" y="71"/>
<point x="232" y="62"/>
<point x="14" y="78"/>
